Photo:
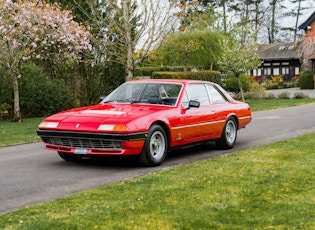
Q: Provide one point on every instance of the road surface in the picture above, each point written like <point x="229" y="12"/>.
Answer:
<point x="30" y="175"/>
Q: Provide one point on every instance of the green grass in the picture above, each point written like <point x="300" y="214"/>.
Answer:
<point x="268" y="104"/>
<point x="18" y="133"/>
<point x="268" y="187"/>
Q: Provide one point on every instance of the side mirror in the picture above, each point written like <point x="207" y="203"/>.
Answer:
<point x="194" y="104"/>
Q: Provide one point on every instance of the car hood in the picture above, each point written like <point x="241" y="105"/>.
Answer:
<point x="90" y="117"/>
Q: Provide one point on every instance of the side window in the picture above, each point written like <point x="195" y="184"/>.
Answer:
<point x="215" y="95"/>
<point x="198" y="92"/>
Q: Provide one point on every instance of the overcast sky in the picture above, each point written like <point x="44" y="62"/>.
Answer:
<point x="305" y="13"/>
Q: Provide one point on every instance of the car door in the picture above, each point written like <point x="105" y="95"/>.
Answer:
<point x="195" y="124"/>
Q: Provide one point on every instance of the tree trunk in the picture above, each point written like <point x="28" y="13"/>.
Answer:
<point x="241" y="87"/>
<point x="17" y="113"/>
<point x="128" y="28"/>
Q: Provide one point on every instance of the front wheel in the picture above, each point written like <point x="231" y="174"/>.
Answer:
<point x="229" y="134"/>
<point x="155" y="147"/>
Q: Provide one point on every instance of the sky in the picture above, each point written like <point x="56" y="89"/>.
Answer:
<point x="305" y="13"/>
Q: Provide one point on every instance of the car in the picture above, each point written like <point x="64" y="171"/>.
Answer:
<point x="147" y="118"/>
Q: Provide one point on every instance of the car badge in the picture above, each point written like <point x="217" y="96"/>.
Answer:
<point x="77" y="125"/>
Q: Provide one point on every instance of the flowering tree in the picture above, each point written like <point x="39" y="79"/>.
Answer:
<point x="37" y="30"/>
<point x="237" y="59"/>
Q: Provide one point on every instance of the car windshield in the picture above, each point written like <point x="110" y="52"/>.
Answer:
<point x="142" y="92"/>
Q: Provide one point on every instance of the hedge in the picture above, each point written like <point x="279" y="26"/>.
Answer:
<point x="306" y="80"/>
<point x="148" y="71"/>
<point x="206" y="75"/>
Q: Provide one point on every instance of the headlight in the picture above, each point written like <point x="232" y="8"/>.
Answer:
<point x="48" y="124"/>
<point x="109" y="127"/>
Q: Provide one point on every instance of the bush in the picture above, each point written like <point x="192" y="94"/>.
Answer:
<point x="300" y="95"/>
<point x="284" y="95"/>
<point x="269" y="96"/>
<point x="306" y="80"/>
<point x="148" y="71"/>
<point x="40" y="95"/>
<point x="231" y="84"/>
<point x="206" y="75"/>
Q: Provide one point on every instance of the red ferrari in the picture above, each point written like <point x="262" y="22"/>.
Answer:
<point x="147" y="118"/>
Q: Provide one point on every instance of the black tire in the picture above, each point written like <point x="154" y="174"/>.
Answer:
<point x="70" y="157"/>
<point x="229" y="135"/>
<point x="155" y="147"/>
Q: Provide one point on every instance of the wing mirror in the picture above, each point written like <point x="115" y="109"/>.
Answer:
<point x="194" y="104"/>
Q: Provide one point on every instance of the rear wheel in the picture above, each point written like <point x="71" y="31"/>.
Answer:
<point x="70" y="157"/>
<point x="155" y="147"/>
<point x="229" y="134"/>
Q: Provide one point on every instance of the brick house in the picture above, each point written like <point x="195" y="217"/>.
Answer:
<point x="309" y="34"/>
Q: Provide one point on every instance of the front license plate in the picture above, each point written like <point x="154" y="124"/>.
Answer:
<point x="80" y="151"/>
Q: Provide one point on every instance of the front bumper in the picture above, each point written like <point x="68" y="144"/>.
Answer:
<point x="93" y="143"/>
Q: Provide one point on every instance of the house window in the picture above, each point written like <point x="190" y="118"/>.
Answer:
<point x="267" y="71"/>
<point x="267" y="64"/>
<point x="276" y="72"/>
<point x="296" y="71"/>
<point x="255" y="72"/>
<point x="285" y="63"/>
<point x="285" y="70"/>
<point x="276" y="64"/>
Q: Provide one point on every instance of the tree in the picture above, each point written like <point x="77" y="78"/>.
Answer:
<point x="237" y="60"/>
<point x="191" y="48"/>
<point x="307" y="52"/>
<point x="37" y="30"/>
<point x="129" y="27"/>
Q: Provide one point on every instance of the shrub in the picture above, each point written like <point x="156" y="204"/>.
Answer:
<point x="231" y="84"/>
<point x="276" y="82"/>
<point x="40" y="95"/>
<point x="269" y="96"/>
<point x="306" y="80"/>
<point x="284" y="95"/>
<point x="148" y="71"/>
<point x="300" y="95"/>
<point x="206" y="75"/>
<point x="257" y="89"/>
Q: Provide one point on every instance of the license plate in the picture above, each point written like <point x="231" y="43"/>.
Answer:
<point x="80" y="151"/>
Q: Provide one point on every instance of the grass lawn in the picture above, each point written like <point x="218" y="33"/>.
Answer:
<point x="268" y="187"/>
<point x="268" y="104"/>
<point x="18" y="133"/>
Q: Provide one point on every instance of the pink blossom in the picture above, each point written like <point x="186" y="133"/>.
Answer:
<point x="33" y="44"/>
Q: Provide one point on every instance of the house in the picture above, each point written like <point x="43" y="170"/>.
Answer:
<point x="277" y="59"/>
<point x="283" y="58"/>
<point x="309" y="35"/>
<point x="309" y="26"/>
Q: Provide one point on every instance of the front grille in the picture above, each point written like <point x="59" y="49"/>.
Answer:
<point x="82" y="142"/>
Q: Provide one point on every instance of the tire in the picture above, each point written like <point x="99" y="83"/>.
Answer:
<point x="70" y="157"/>
<point x="155" y="147"/>
<point x="229" y="135"/>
